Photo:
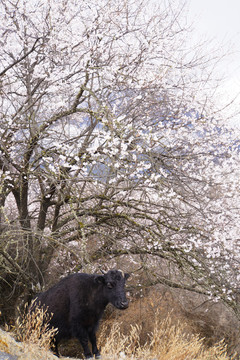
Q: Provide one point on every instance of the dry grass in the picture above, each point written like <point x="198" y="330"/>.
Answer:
<point x="167" y="342"/>
<point x="33" y="331"/>
<point x="34" y="328"/>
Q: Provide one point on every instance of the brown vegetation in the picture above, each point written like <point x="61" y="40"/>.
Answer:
<point x="167" y="340"/>
<point x="34" y="328"/>
<point x="211" y="321"/>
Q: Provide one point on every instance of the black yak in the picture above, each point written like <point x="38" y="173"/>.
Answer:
<point x="77" y="303"/>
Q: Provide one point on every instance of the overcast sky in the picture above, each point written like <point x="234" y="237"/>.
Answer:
<point x="220" y="19"/>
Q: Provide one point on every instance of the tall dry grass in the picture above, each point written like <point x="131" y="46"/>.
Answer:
<point x="33" y="327"/>
<point x="33" y="331"/>
<point x="167" y="342"/>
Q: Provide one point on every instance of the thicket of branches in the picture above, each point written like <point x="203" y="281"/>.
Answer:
<point x="112" y="146"/>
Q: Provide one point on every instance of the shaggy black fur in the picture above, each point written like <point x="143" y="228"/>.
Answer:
<point x="77" y="303"/>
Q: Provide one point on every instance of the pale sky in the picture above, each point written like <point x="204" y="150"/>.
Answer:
<point x="220" y="19"/>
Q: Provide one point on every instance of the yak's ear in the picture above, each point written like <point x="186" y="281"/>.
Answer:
<point x="99" y="279"/>
<point x="126" y="276"/>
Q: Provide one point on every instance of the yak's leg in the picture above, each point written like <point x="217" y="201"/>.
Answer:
<point x="55" y="350"/>
<point x="54" y="347"/>
<point x="93" y="340"/>
<point x="81" y="334"/>
<point x="84" y="343"/>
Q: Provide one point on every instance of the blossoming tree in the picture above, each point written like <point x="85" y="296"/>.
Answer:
<point x="111" y="141"/>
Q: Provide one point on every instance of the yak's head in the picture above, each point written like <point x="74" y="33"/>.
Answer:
<point x="114" y="287"/>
